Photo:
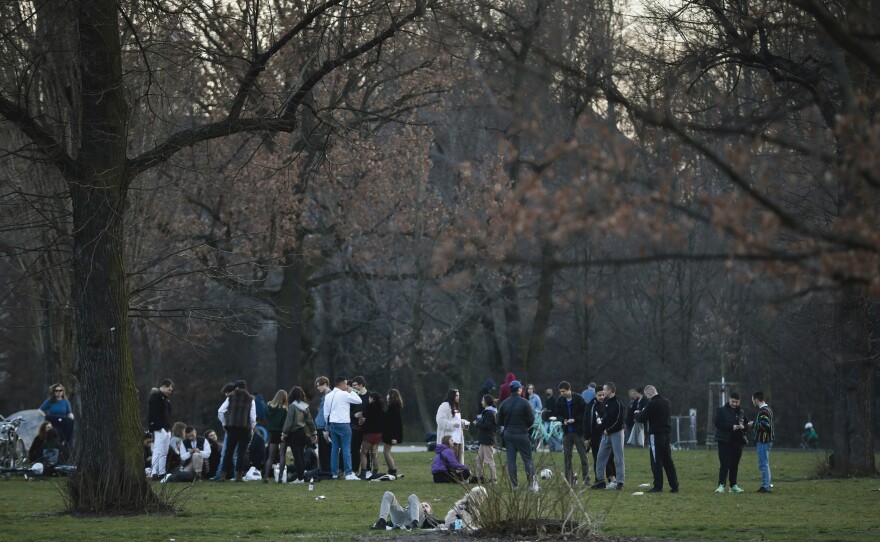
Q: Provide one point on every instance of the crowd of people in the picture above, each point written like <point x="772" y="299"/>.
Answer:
<point x="342" y="439"/>
<point x="350" y="424"/>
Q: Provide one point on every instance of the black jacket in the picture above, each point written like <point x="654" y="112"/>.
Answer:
<point x="549" y="407"/>
<point x="159" y="416"/>
<point x="516" y="414"/>
<point x="591" y="415"/>
<point x="613" y="416"/>
<point x="725" y="418"/>
<point x="657" y="415"/>
<point x="578" y="410"/>
<point x="393" y="429"/>
<point x="487" y="426"/>
<point x="375" y="418"/>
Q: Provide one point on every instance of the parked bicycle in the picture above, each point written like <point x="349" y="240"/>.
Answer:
<point x="12" y="452"/>
<point x="541" y="435"/>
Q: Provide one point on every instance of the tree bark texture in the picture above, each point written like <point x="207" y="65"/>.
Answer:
<point x="854" y="368"/>
<point x="110" y="475"/>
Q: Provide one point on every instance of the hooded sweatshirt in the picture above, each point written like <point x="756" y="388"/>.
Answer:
<point x="299" y="417"/>
<point x="504" y="391"/>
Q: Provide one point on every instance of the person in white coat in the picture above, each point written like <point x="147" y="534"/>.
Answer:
<point x="449" y="422"/>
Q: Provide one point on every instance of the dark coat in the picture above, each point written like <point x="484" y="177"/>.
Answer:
<point x="375" y="418"/>
<point x="516" y="415"/>
<point x="487" y="426"/>
<point x="393" y="429"/>
<point x="159" y="416"/>
<point x="725" y="418"/>
<point x="657" y="415"/>
<point x="613" y="416"/>
<point x="578" y="411"/>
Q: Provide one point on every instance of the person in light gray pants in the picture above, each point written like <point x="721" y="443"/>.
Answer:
<point x="413" y="516"/>
<point x="613" y="438"/>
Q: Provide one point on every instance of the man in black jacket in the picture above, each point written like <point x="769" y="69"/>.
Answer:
<point x="570" y="409"/>
<point x="657" y="416"/>
<point x="612" y="426"/>
<point x="730" y="427"/>
<point x="517" y="416"/>
<point x="159" y="419"/>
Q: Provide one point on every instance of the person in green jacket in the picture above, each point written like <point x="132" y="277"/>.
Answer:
<point x="276" y="414"/>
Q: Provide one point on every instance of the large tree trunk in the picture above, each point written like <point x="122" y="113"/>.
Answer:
<point x="854" y="368"/>
<point x="289" y="302"/>
<point x="111" y="474"/>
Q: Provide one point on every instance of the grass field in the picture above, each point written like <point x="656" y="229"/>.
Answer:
<point x="802" y="507"/>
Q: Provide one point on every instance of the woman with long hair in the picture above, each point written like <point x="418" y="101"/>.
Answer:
<point x="35" y="452"/>
<point x="449" y="423"/>
<point x="56" y="409"/>
<point x="392" y="432"/>
<point x="299" y="430"/>
<point x="276" y="413"/>
<point x="374" y="415"/>
<point x="178" y="433"/>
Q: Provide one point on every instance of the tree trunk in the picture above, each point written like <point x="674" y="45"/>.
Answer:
<point x="542" y="312"/>
<point x="289" y="302"/>
<point x="111" y="474"/>
<point x="854" y="368"/>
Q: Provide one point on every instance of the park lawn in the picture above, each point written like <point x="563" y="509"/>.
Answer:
<point x="802" y="506"/>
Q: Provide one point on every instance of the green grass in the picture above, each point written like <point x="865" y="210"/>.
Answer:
<point x="802" y="506"/>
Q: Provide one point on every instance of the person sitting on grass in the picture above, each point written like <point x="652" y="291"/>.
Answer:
<point x="446" y="469"/>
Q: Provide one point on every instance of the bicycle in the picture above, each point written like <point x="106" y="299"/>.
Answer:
<point x="12" y="452"/>
<point x="541" y="436"/>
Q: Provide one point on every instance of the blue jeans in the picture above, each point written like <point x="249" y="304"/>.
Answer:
<point x="764" y="462"/>
<point x="340" y="439"/>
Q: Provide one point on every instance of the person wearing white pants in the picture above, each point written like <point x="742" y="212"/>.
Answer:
<point x="160" y="424"/>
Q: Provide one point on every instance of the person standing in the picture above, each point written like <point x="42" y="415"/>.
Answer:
<point x="359" y="385"/>
<point x="593" y="432"/>
<point x="534" y="399"/>
<point x="337" y="415"/>
<point x="516" y="416"/>
<point x="590" y="393"/>
<point x="323" y="385"/>
<point x="764" y="437"/>
<point x="487" y="426"/>
<point x="449" y="423"/>
<point x="730" y="436"/>
<point x="657" y="417"/>
<point x="298" y="431"/>
<point x="392" y="432"/>
<point x="638" y="401"/>
<point x="238" y="414"/>
<point x="56" y="409"/>
<point x="276" y="413"/>
<point x="374" y="415"/>
<point x="611" y="424"/>
<point x="224" y="448"/>
<point x="159" y="420"/>
<point x="571" y="409"/>
<point x="504" y="390"/>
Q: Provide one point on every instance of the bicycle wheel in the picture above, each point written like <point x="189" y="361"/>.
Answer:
<point x="19" y="454"/>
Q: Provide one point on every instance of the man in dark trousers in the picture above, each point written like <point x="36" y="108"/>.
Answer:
<point x="570" y="410"/>
<point x="238" y="414"/>
<point x="730" y="428"/>
<point x="159" y="418"/>
<point x="612" y="425"/>
<point x="516" y="416"/>
<point x="658" y="419"/>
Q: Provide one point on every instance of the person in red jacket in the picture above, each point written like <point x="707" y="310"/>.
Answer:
<point x="504" y="390"/>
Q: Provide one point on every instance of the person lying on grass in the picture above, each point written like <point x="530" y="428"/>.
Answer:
<point x="417" y="515"/>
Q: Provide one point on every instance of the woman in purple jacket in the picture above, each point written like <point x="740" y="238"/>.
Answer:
<point x="446" y="468"/>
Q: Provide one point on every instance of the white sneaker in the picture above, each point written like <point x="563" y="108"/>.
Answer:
<point x="368" y="475"/>
<point x="352" y="477"/>
<point x="299" y="481"/>
<point x="611" y="485"/>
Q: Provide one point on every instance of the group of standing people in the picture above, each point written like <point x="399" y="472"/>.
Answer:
<point x="351" y="422"/>
<point x="732" y="428"/>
